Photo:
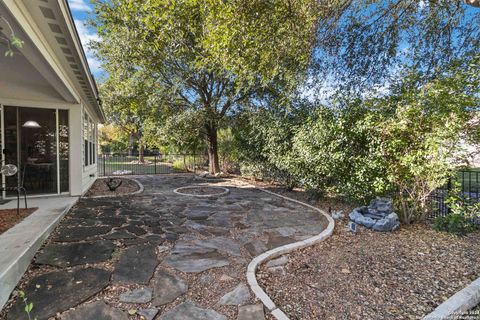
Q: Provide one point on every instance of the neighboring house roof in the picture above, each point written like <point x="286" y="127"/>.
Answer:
<point x="53" y="47"/>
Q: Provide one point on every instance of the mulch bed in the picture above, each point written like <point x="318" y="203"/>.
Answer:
<point x="9" y="217"/>
<point x="100" y="188"/>
<point x="372" y="275"/>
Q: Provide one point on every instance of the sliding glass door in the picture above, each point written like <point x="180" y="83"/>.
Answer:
<point x="36" y="141"/>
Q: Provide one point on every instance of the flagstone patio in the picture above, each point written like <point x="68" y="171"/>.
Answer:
<point x="161" y="254"/>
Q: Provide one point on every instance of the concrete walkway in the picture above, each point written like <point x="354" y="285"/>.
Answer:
<point x="19" y="244"/>
<point x="162" y="255"/>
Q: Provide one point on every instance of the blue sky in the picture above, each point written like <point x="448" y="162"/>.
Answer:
<point x="81" y="11"/>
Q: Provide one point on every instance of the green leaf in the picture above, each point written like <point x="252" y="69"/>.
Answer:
<point x="28" y="307"/>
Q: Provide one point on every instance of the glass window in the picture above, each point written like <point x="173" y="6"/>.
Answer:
<point x="86" y="130"/>
<point x="90" y="138"/>
<point x="63" y="148"/>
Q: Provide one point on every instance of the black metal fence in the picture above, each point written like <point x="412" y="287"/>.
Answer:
<point x="469" y="181"/>
<point x="117" y="164"/>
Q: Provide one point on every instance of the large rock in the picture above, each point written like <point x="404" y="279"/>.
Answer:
<point x="72" y="254"/>
<point x="189" y="311"/>
<point x="98" y="310"/>
<point x="136" y="265"/>
<point x="365" y="221"/>
<point x="188" y="257"/>
<point x="167" y="287"/>
<point x="389" y="223"/>
<point x="355" y="214"/>
<point x="377" y="216"/>
<point x="58" y="291"/>
<point x="236" y="297"/>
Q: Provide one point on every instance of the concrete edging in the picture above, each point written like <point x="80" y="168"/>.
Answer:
<point x="140" y="189"/>
<point x="461" y="302"/>
<point x="225" y="191"/>
<point x="268" y="255"/>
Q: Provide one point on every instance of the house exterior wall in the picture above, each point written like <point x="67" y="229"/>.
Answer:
<point x="89" y="172"/>
<point x="48" y="79"/>
<point x="80" y="177"/>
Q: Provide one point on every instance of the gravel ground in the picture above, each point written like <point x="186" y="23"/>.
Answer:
<point x="370" y="275"/>
<point x="373" y="275"/>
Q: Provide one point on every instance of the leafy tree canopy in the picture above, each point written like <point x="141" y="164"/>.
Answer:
<point x="207" y="58"/>
<point x="368" y="43"/>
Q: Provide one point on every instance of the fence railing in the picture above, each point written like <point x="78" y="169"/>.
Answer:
<point x="117" y="164"/>
<point x="469" y="187"/>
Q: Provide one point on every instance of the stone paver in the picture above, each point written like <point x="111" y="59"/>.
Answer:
<point x="137" y="296"/>
<point x="237" y="296"/>
<point x="72" y="254"/>
<point x="97" y="310"/>
<point x="58" y="291"/>
<point x="251" y="312"/>
<point x="136" y="265"/>
<point x="167" y="287"/>
<point x="188" y="310"/>
<point x="168" y="244"/>
<point x="188" y="257"/>
<point x="148" y="314"/>
<point x="81" y="233"/>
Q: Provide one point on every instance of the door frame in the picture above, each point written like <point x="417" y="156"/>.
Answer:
<point x="57" y="148"/>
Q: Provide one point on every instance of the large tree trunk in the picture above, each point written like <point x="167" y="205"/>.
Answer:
<point x="131" y="142"/>
<point x="141" y="153"/>
<point x="212" y="146"/>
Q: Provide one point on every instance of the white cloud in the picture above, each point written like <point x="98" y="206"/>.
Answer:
<point x="86" y="36"/>
<point x="79" y="5"/>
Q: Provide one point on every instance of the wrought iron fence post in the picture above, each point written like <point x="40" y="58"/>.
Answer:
<point x="104" y="164"/>
<point x="155" y="163"/>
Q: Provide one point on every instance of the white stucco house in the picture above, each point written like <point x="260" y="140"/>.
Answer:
<point x="49" y="101"/>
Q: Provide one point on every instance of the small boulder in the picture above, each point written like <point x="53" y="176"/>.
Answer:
<point x="355" y="214"/>
<point x="365" y="221"/>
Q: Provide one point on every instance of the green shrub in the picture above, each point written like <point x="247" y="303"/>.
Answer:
<point x="399" y="144"/>
<point x="454" y="223"/>
<point x="463" y="213"/>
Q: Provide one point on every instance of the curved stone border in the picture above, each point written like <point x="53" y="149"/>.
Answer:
<point x="225" y="191"/>
<point x="268" y="255"/>
<point x="461" y="302"/>
<point x="140" y="189"/>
